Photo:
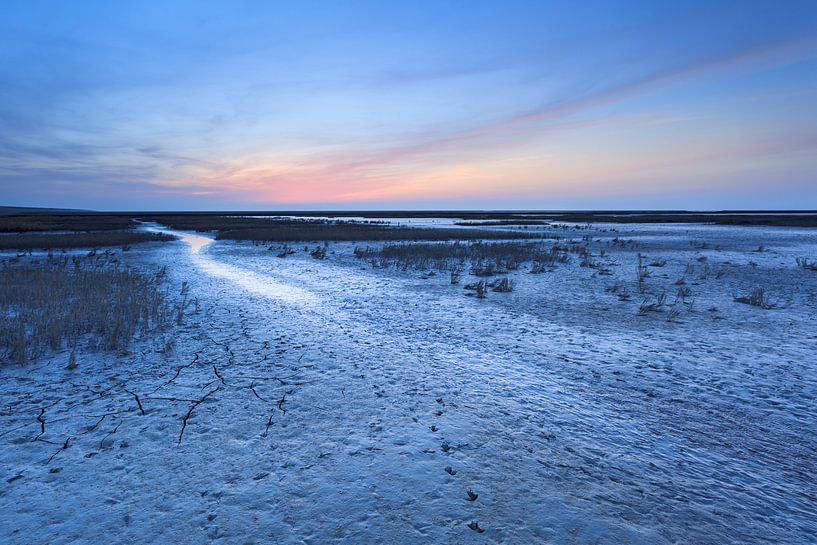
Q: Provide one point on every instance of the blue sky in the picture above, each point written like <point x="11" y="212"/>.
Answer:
<point x="253" y="105"/>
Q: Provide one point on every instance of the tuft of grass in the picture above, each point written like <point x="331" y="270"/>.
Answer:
<point x="653" y="306"/>
<point x="319" y="252"/>
<point x="757" y="298"/>
<point x="480" y="289"/>
<point x="61" y="302"/>
<point x="502" y="285"/>
<point x="807" y="264"/>
<point x="641" y="273"/>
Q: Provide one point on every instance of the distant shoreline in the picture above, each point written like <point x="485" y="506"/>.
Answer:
<point x="781" y="218"/>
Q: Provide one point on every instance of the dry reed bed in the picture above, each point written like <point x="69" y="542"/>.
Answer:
<point x="59" y="302"/>
<point x="69" y="222"/>
<point x="58" y="241"/>
<point x="322" y="230"/>
<point x="484" y="257"/>
<point x="339" y="232"/>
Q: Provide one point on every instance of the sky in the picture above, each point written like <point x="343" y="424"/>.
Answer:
<point x="508" y="104"/>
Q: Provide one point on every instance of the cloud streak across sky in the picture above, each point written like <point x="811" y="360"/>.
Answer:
<point x="172" y="105"/>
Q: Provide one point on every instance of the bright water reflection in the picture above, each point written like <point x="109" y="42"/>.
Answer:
<point x="260" y="284"/>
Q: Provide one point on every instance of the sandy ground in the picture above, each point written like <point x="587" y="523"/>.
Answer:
<point x="314" y="401"/>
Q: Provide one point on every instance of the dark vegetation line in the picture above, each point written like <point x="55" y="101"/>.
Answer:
<point x="60" y="241"/>
<point x="308" y="230"/>
<point x="73" y="222"/>
<point x="364" y="232"/>
<point x="25" y="220"/>
<point x="481" y="256"/>
<point x="807" y="218"/>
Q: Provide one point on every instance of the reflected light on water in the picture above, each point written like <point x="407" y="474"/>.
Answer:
<point x="251" y="281"/>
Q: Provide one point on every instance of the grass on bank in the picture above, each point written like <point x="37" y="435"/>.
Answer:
<point x="485" y="258"/>
<point x="68" y="222"/>
<point x="64" y="302"/>
<point x="318" y="230"/>
<point x="346" y="232"/>
<point x="57" y="241"/>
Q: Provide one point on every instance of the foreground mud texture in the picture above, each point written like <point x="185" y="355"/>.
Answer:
<point x="326" y="401"/>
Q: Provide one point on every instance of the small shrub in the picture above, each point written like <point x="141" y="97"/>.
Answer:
<point x="479" y="289"/>
<point x="757" y="298"/>
<point x="455" y="276"/>
<point x="807" y="264"/>
<point x="502" y="285"/>
<point x="319" y="252"/>
<point x="653" y="306"/>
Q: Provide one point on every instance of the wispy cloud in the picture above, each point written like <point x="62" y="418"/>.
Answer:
<point x="415" y="102"/>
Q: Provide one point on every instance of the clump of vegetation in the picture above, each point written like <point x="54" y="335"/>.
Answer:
<point x="347" y="231"/>
<point x="619" y="290"/>
<point x="493" y="223"/>
<point x="319" y="252"/>
<point x="757" y="298"/>
<point x="25" y="223"/>
<point x="490" y="268"/>
<point x="285" y="251"/>
<point x="455" y="276"/>
<point x="480" y="289"/>
<point x="807" y="264"/>
<point x="288" y="229"/>
<point x="61" y="302"/>
<point x="642" y="273"/>
<point x="94" y="239"/>
<point x="502" y="285"/>
<point x="654" y="305"/>
<point x="485" y="258"/>
<point x="683" y="293"/>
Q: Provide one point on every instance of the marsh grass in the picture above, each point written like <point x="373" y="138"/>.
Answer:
<point x="654" y="305"/>
<point x="484" y="258"/>
<point x="96" y="239"/>
<point x="25" y="223"/>
<point x="757" y="298"/>
<point x="502" y="285"/>
<point x="59" y="302"/>
<point x="479" y="289"/>
<point x="318" y="231"/>
<point x="279" y="229"/>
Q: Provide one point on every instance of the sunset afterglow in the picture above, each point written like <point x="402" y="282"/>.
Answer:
<point x="251" y="105"/>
